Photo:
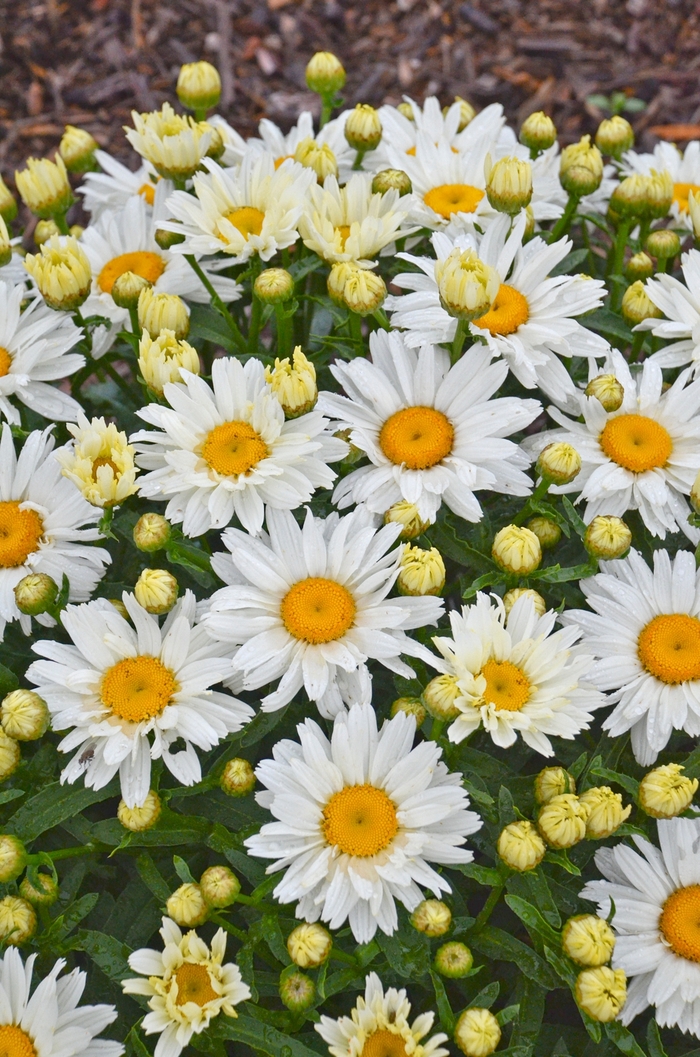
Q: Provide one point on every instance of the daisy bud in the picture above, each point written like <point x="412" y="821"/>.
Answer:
<point x="9" y="756"/>
<point x="167" y="239"/>
<point x="156" y="590"/>
<point x="24" y="715"/>
<point x="62" y="273"/>
<point x="17" y="921"/>
<point x="639" y="266"/>
<point x="509" y="186"/>
<point x="274" y="286"/>
<point x="422" y="572"/>
<point x="637" y="305"/>
<point x="13" y="858"/>
<point x="615" y="135"/>
<point x="529" y="224"/>
<point x="406" y="110"/>
<point x="43" y="231"/>
<point x="127" y="289"/>
<point x="44" y="186"/>
<point x="43" y="891"/>
<point x="160" y="359"/>
<point x="559" y="463"/>
<point x="607" y="537"/>
<point x="309" y="945"/>
<point x="551" y="782"/>
<point x="35" y="593"/>
<point x="581" y="168"/>
<point x="512" y="596"/>
<point x="100" y="462"/>
<point x="695" y="494"/>
<point x="8" y="204"/>
<point x="5" y="244"/>
<point x="588" y="940"/>
<point x="138" y="819"/>
<point x="363" y="129"/>
<point x="151" y="532"/>
<point x="77" y="148"/>
<point x="546" y="530"/>
<point x="517" y="550"/>
<point x="432" y="917"/>
<point x="467" y="285"/>
<point x="412" y="706"/>
<point x="316" y="156"/>
<point x="408" y="516"/>
<point x="198" y="86"/>
<point x="220" y="886"/>
<point x="467" y="113"/>
<point x="359" y="289"/>
<point x="520" y="846"/>
<point x="663" y="244"/>
<point x="440" y="695"/>
<point x="163" y="312"/>
<point x="298" y="992"/>
<point x="607" y="390"/>
<point x="120" y="607"/>
<point x="477" y="1032"/>
<point x="238" y="778"/>
<point x="172" y="143"/>
<point x="562" y="821"/>
<point x="187" y="906"/>
<point x="294" y="384"/>
<point x="453" y="960"/>
<point x="538" y="132"/>
<point x="606" y="813"/>
<point x="601" y="993"/>
<point x="392" y="180"/>
<point x="629" y="197"/>
<point x="324" y="73"/>
<point x="665" y="792"/>
<point x="693" y="209"/>
<point x="659" y="194"/>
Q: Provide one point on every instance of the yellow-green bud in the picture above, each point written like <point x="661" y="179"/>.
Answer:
<point x="546" y="530"/>
<point x="607" y="537"/>
<point x="187" y="906"/>
<point x="477" y="1032"/>
<point x="309" y="945"/>
<point x="317" y="156"/>
<point x="167" y="239"/>
<point x="639" y="266"/>
<point x="509" y="185"/>
<point x="391" y="180"/>
<point x="274" y="286"/>
<point x="43" y="891"/>
<point x="198" y="86"/>
<point x="559" y="462"/>
<point x="581" y="168"/>
<point x="466" y="284"/>
<point x="432" y="917"/>
<point x="24" y="715"/>
<point x="615" y="135"/>
<point x="588" y="940"/>
<point x="663" y="244"/>
<point x="512" y="596"/>
<point x="363" y="129"/>
<point x="520" y="846"/>
<point x="8" y="203"/>
<point x="44" y="187"/>
<point x="294" y="383"/>
<point x="127" y="288"/>
<point x="693" y="209"/>
<point x="538" y="131"/>
<point x="406" y="110"/>
<point x="163" y="312"/>
<point x="297" y="991"/>
<point x="43" y="231"/>
<point x="637" y="305"/>
<point x="562" y="821"/>
<point x="659" y="194"/>
<point x="421" y="572"/>
<point x="601" y="993"/>
<point x="156" y="590"/>
<point x="238" y="778"/>
<point x="607" y="390"/>
<point x="62" y="273"/>
<point x="605" y="811"/>
<point x="629" y="197"/>
<point x="151" y="532"/>
<point x="17" y="921"/>
<point x="407" y="515"/>
<point x="359" y="289"/>
<point x="467" y="113"/>
<point x="139" y="819"/>
<point x="220" y="886"/>
<point x="325" y="73"/>
<point x="551" y="782"/>
<point x="35" y="593"/>
<point x="665" y="792"/>
<point x="5" y="244"/>
<point x="161" y="359"/>
<point x="440" y="695"/>
<point x="412" y="706"/>
<point x="517" y="550"/>
<point x="9" y="756"/>
<point x="77" y="148"/>
<point x="695" y="494"/>
<point x="453" y="960"/>
<point x="13" y="858"/>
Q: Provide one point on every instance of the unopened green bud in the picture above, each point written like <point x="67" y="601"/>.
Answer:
<point x="151" y="532"/>
<point x="35" y="593"/>
<point x="412" y="706"/>
<point x="615" y="135"/>
<point x="167" y="239"/>
<point x="238" y="778"/>
<point x="538" y="132"/>
<point x="220" y="886"/>
<point x="663" y="244"/>
<point x="297" y="991"/>
<point x="325" y="73"/>
<point x="392" y="180"/>
<point x="453" y="960"/>
<point x="41" y="891"/>
<point x="546" y="530"/>
<point x="639" y="266"/>
<point x="13" y="858"/>
<point x="274" y="286"/>
<point x="127" y="289"/>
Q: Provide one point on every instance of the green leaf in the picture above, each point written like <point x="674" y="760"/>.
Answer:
<point x="53" y="805"/>
<point x="106" y="952"/>
<point x="606" y="322"/>
<point x="500" y="945"/>
<point x="623" y="1039"/>
<point x="8" y="681"/>
<point x="532" y="999"/>
<point x="152" y="878"/>
<point x="533" y="920"/>
<point x="654" y="1043"/>
<point x="570" y="263"/>
<point x="627" y="783"/>
<point x="577" y="522"/>
<point x="563" y="860"/>
<point x="556" y="574"/>
<point x="486" y="997"/>
<point x="447" y="1017"/>
<point x="10" y="794"/>
<point x="63" y="925"/>
<point x="182" y="870"/>
<point x="261" y="1037"/>
<point x="509" y="1013"/>
<point x="483" y="875"/>
<point x="134" y="1045"/>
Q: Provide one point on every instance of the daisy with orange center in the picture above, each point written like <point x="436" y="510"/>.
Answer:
<point x="360" y="818"/>
<point x="656" y="918"/>
<point x="128" y="691"/>
<point x="113" y="185"/>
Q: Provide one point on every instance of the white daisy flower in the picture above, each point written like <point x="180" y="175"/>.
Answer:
<point x="111" y="189"/>
<point x="234" y="144"/>
<point x="45" y="525"/>
<point x="227" y="450"/>
<point x="35" y="349"/>
<point x="515" y="675"/>
<point x="431" y="432"/>
<point x="187" y="985"/>
<point x="309" y="606"/>
<point x="684" y="168"/>
<point x="400" y="133"/>
<point x="351" y="223"/>
<point x="49" y="1022"/>
<point x="530" y="324"/>
<point x="130" y="692"/>
<point x="645" y="632"/>
<point x="379" y="1026"/>
<point x="656" y="896"/>
<point x="359" y="819"/>
<point x="239" y="212"/>
<point x="283" y="145"/>
<point x="680" y="303"/>
<point x="644" y="456"/>
<point x="449" y="187"/>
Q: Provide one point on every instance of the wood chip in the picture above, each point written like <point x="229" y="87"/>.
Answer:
<point x="676" y="132"/>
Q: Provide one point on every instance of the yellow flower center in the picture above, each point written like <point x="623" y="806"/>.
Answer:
<point x="681" y="192"/>
<point x="453" y="198"/>
<point x="5" y="362"/>
<point x="148" y="265"/>
<point x="344" y="231"/>
<point x="137" y="688"/>
<point x="248" y="220"/>
<point x="636" y="442"/>
<point x="669" y="647"/>
<point x="20" y="532"/>
<point x="234" y="448"/>
<point x="507" y="687"/>
<point x="194" y="985"/>
<point x="148" y="192"/>
<point x="317" y="610"/>
<point x="360" y="820"/>
<point x="680" y="922"/>
<point x="279" y="161"/>
<point x="15" y="1043"/>
<point x="508" y="312"/>
<point x="384" y="1043"/>
<point x="419" y="437"/>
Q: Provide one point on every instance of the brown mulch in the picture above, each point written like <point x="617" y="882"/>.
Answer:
<point x="90" y="62"/>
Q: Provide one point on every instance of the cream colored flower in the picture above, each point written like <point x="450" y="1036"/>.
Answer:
<point x="44" y="186"/>
<point x="517" y="550"/>
<point x="606" y="813"/>
<point x="477" y="1032"/>
<point x="360" y="290"/>
<point x="61" y="272"/>
<point x="24" y="715"/>
<point x="562" y="821"/>
<point x="99" y="461"/>
<point x="467" y="286"/>
<point x="199" y="85"/>
<point x="174" y="145"/>
<point x="432" y="917"/>
<point x="187" y="906"/>
<point x="156" y="590"/>
<point x="665" y="792"/>
<point x="161" y="358"/>
<point x="601" y="993"/>
<point x="422" y="572"/>
<point x="138" y="819"/>
<point x="509" y="185"/>
<point x="161" y="311"/>
<point x="294" y="383"/>
<point x="77" y="149"/>
<point x="588" y="940"/>
<point x="309" y="945"/>
<point x="520" y="846"/>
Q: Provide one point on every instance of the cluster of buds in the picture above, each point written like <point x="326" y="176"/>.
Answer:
<point x="361" y="290"/>
<point x="600" y="991"/>
<point x="17" y="914"/>
<point x="191" y="904"/>
<point x="24" y="716"/>
<point x="643" y="197"/>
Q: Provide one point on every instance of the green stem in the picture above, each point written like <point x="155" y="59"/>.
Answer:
<point x="343" y="956"/>
<point x="63" y="853"/>
<point x="644" y="228"/>
<point x="487" y="909"/>
<point x="619" y="247"/>
<point x="200" y="113"/>
<point x="436" y="729"/>
<point x="355" y="324"/>
<point x="458" y="340"/>
<point x="254" y="328"/>
<point x="564" y="222"/>
<point x="357" y="164"/>
<point x="327" y="100"/>
<point x="117" y="378"/>
<point x="284" y="331"/>
<point x="540" y="491"/>
<point x="61" y="223"/>
<point x="218" y="304"/>
<point x="637" y="342"/>
<point x="382" y="319"/>
<point x="219" y="919"/>
<point x="135" y="325"/>
<point x="662" y="265"/>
